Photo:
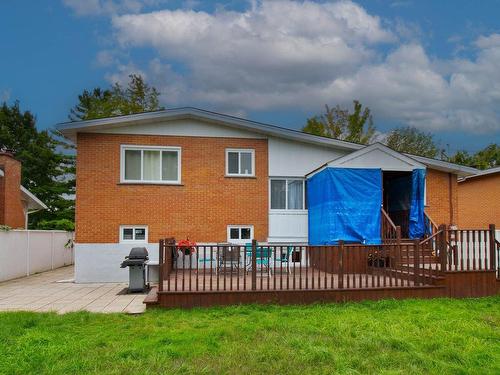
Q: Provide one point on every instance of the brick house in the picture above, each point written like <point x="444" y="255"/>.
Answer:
<point x="190" y="173"/>
<point x="479" y="200"/>
<point x="16" y="202"/>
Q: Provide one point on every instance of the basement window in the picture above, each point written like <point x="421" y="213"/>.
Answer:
<point x="133" y="233"/>
<point x="239" y="233"/>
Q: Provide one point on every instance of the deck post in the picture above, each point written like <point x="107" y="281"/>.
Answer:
<point x="254" y="265"/>
<point x="398" y="244"/>
<point x="341" y="264"/>
<point x="416" y="261"/>
<point x="161" y="261"/>
<point x="492" y="247"/>
<point x="442" y="247"/>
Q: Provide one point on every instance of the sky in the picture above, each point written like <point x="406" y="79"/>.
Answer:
<point x="434" y="65"/>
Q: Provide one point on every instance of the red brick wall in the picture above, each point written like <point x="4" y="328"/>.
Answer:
<point x="11" y="206"/>
<point x="442" y="200"/>
<point x="202" y="208"/>
<point x="479" y="202"/>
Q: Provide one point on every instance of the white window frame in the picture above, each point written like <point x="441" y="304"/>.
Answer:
<point x="286" y="209"/>
<point x="123" y="148"/>
<point x="240" y="240"/>
<point x="239" y="151"/>
<point x="134" y="227"/>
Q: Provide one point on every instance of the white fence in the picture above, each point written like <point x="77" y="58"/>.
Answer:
<point x="25" y="252"/>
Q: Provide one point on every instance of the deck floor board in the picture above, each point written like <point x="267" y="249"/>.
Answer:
<point x="307" y="279"/>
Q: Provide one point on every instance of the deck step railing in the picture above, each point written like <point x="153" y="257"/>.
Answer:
<point x="390" y="232"/>
<point x="469" y="249"/>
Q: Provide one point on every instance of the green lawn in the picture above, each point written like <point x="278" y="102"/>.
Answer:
<point x="413" y="336"/>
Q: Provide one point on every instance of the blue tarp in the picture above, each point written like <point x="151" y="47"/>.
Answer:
<point x="344" y="204"/>
<point x="417" y="225"/>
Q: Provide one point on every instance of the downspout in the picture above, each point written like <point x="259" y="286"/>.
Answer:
<point x="450" y="187"/>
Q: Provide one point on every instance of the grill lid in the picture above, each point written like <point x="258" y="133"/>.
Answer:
<point x="138" y="253"/>
<point x="132" y="262"/>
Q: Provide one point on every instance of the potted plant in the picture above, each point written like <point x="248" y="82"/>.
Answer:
<point x="187" y="247"/>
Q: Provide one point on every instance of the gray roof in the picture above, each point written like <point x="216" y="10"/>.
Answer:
<point x="33" y="202"/>
<point x="70" y="129"/>
<point x="482" y="173"/>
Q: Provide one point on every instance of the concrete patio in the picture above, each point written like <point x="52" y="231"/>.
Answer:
<point x="54" y="291"/>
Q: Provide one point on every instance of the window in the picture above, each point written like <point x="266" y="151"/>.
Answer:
<point x="146" y="164"/>
<point x="287" y="194"/>
<point x="133" y="233"/>
<point x="240" y="162"/>
<point x="238" y="233"/>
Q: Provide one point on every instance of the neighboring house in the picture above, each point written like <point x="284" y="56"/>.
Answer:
<point x="16" y="202"/>
<point x="190" y="173"/>
<point x="479" y="200"/>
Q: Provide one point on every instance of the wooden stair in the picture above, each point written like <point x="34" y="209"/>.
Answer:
<point x="408" y="251"/>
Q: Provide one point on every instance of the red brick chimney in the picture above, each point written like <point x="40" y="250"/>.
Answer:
<point x="11" y="206"/>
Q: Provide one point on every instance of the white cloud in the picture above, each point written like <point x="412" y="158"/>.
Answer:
<point x="122" y="73"/>
<point x="259" y="53"/>
<point x="5" y="95"/>
<point x="284" y="54"/>
<point x="104" y="58"/>
<point x="489" y="41"/>
<point x="99" y="7"/>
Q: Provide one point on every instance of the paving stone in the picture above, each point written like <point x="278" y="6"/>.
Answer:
<point x="45" y="292"/>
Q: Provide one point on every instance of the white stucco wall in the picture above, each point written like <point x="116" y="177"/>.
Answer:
<point x="376" y="159"/>
<point x="185" y="128"/>
<point x="296" y="159"/>
<point x="288" y="227"/>
<point x="101" y="262"/>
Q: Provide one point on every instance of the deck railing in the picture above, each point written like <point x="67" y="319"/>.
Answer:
<point x="258" y="267"/>
<point x="498" y="258"/>
<point x="264" y="267"/>
<point x="464" y="249"/>
<point x="469" y="249"/>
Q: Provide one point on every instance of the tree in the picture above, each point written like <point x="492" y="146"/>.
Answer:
<point x="488" y="157"/>
<point x="47" y="168"/>
<point x="413" y="141"/>
<point x="137" y="97"/>
<point x="339" y="123"/>
<point x="463" y="158"/>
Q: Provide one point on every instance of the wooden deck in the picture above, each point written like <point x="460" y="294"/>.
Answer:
<point x="446" y="264"/>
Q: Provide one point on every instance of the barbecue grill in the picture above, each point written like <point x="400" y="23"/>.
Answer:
<point x="136" y="263"/>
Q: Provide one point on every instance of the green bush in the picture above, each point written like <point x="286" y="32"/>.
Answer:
<point x="61" y="224"/>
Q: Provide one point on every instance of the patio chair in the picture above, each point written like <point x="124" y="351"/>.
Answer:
<point x="207" y="261"/>
<point x="263" y="256"/>
<point x="284" y="257"/>
<point x="228" y="257"/>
